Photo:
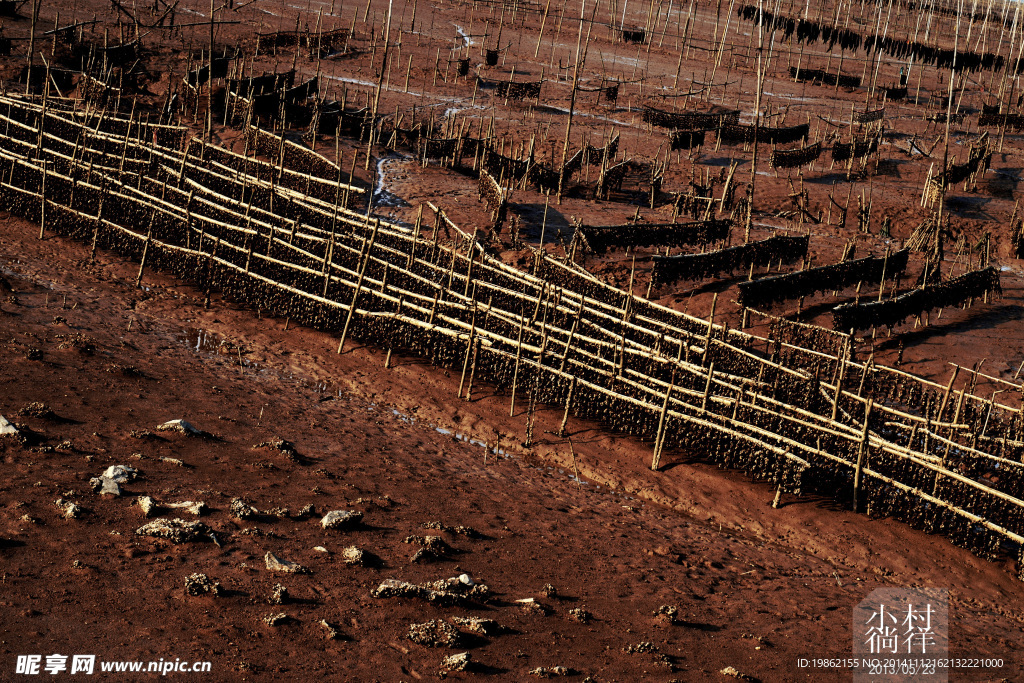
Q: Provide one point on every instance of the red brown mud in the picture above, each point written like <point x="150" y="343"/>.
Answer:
<point x="756" y="588"/>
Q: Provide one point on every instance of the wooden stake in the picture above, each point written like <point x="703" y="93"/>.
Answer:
<point x="861" y="454"/>
<point x="659" y="439"/>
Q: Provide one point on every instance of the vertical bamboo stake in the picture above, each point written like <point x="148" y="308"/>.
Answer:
<point x="861" y="453"/>
<point x="707" y="387"/>
<point x="945" y="394"/>
<point x="659" y="439"/>
<point x="711" y="326"/>
<point x="380" y="83"/>
<point x="42" y="197"/>
<point x="572" y="101"/>
<point x="568" y="407"/>
<point x="543" y="21"/>
<point x="32" y="45"/>
<point x="472" y="370"/>
<point x="515" y="372"/>
<point x="839" y="379"/>
<point x="359" y="285"/>
<point x="145" y="249"/>
<point x="469" y="348"/>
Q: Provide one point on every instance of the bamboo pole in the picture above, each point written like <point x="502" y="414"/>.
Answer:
<point x="861" y="454"/>
<point x="568" y="407"/>
<point x="659" y="440"/>
<point x="358" y="287"/>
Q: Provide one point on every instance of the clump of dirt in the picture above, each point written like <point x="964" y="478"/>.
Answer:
<point x="434" y="633"/>
<point x="175" y="530"/>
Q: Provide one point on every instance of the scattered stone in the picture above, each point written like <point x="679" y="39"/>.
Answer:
<point x="321" y="549"/>
<point x="182" y="427"/>
<point x="65" y="445"/>
<point x="484" y="627"/>
<point x="581" y="615"/>
<point x="242" y="510"/>
<point x="461" y="530"/>
<point x="277" y="619"/>
<point x="122" y="474"/>
<point x="285" y="447"/>
<point x="730" y="671"/>
<point x="276" y="564"/>
<point x="172" y="461"/>
<point x="279" y="596"/>
<point x="459" y="662"/>
<point x="531" y="606"/>
<point x="464" y="579"/>
<point x="105" y="486"/>
<point x="640" y="647"/>
<point x="6" y="428"/>
<point x="174" y="530"/>
<point x="34" y="354"/>
<point x="434" y="633"/>
<point x="331" y="631"/>
<point x="29" y="519"/>
<point x="148" y="506"/>
<point x="197" y="508"/>
<point x="393" y="588"/>
<point x="433" y="543"/>
<point x="445" y="592"/>
<point x="141" y="434"/>
<point x="307" y="511"/>
<point x="68" y="509"/>
<point x="278" y="512"/>
<point x="353" y="555"/>
<point x="425" y="555"/>
<point x="548" y="591"/>
<point x="433" y="548"/>
<point x="341" y="519"/>
<point x="667" y="613"/>
<point x="463" y="584"/>
<point x="37" y="409"/>
<point x="200" y="584"/>
<point x="549" y="671"/>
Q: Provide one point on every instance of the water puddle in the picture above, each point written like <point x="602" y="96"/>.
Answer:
<point x="381" y="196"/>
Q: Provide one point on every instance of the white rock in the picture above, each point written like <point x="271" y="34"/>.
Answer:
<point x="105" y="485"/>
<point x="180" y="426"/>
<point x="459" y="662"/>
<point x="353" y="555"/>
<point x="196" y="508"/>
<point x="341" y="519"/>
<point x="276" y="564"/>
<point x="122" y="474"/>
<point x="148" y="506"/>
<point x="6" y="428"/>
